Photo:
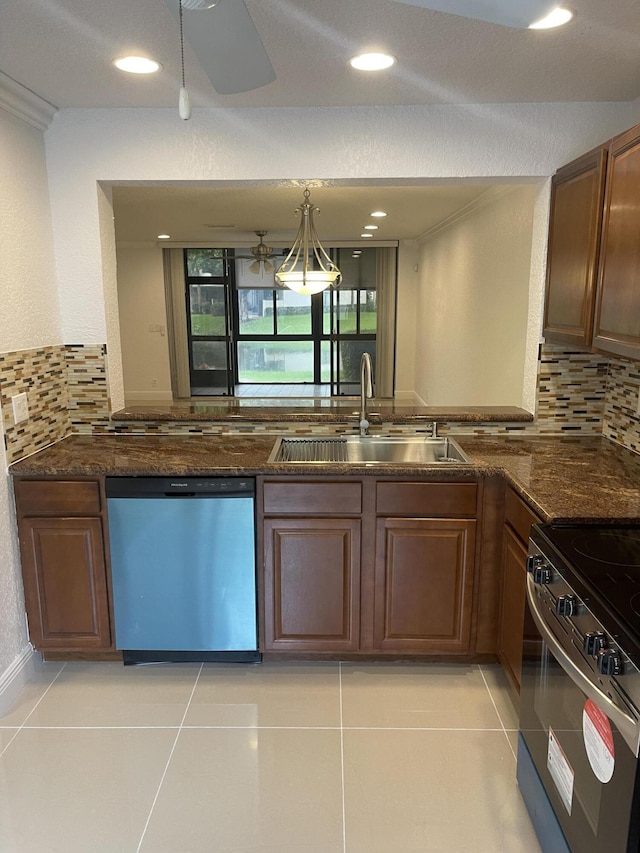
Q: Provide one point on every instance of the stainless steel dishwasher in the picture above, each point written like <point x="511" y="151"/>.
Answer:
<point x="183" y="568"/>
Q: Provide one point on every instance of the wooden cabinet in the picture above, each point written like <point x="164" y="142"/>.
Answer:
<point x="577" y="199"/>
<point x="593" y="264"/>
<point x="312" y="584"/>
<point x="617" y="324"/>
<point x="518" y="521"/>
<point x="368" y="566"/>
<point x="423" y="584"/>
<point x="63" y="564"/>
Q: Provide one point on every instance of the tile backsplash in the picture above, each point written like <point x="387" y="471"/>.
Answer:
<point x="67" y="388"/>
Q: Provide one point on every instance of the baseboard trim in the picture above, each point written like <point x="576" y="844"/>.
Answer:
<point x="16" y="676"/>
<point x="409" y="397"/>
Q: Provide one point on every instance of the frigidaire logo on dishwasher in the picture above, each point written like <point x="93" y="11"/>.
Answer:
<point x="180" y="485"/>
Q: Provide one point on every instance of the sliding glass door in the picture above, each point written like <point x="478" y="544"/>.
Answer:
<point x="208" y="326"/>
<point x="243" y="331"/>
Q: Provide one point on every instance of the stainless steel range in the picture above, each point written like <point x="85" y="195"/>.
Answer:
<point x="580" y="697"/>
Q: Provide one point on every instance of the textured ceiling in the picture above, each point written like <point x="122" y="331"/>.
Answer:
<point x="229" y="216"/>
<point x="62" y="50"/>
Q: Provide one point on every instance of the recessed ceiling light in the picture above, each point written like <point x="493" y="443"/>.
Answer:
<point x="370" y="227"/>
<point x="372" y="61"/>
<point x="366" y="235"/>
<point x="164" y="236"/>
<point x="137" y="64"/>
<point x="556" y="18"/>
<point x="378" y="213"/>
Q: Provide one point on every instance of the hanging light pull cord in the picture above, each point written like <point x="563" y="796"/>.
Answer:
<point x="184" y="101"/>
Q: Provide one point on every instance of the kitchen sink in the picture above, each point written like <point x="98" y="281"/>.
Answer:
<point x="369" y="449"/>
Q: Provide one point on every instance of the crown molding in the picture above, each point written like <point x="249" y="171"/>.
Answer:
<point x="486" y="198"/>
<point x="25" y="104"/>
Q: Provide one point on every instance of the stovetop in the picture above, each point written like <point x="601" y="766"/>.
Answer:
<point x="604" y="562"/>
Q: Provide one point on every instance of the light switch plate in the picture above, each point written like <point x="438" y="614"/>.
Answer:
<point x="20" y="408"/>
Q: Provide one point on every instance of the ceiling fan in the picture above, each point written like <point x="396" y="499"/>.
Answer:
<point x="261" y="254"/>
<point x="224" y="38"/>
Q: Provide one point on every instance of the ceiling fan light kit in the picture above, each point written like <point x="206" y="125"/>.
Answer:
<point x="307" y="268"/>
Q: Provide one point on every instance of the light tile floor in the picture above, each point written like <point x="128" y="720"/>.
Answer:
<point x="277" y="758"/>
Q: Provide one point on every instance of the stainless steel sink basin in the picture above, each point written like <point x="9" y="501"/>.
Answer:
<point x="369" y="449"/>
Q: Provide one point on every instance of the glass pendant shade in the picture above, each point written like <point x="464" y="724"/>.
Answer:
<point x="307" y="268"/>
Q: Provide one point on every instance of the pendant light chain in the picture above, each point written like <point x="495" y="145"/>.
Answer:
<point x="182" y="47"/>
<point x="184" y="102"/>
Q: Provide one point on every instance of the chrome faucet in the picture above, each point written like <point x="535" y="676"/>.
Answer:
<point x="366" y="390"/>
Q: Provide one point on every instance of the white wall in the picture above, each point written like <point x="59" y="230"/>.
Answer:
<point x="29" y="318"/>
<point x="365" y="143"/>
<point x="141" y="301"/>
<point x="406" y="298"/>
<point x="473" y="302"/>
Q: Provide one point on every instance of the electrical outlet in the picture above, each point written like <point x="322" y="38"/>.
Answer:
<point x="20" y="408"/>
<point x="154" y="383"/>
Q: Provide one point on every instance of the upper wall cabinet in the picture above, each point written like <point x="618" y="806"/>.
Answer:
<point x="577" y="195"/>
<point x="617" y="320"/>
<point x="593" y="265"/>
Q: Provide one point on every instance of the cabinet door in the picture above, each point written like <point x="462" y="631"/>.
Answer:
<point x="577" y="198"/>
<point x="617" y="327"/>
<point x="312" y="584"/>
<point x="514" y="577"/>
<point x="423" y="584"/>
<point x="65" y="582"/>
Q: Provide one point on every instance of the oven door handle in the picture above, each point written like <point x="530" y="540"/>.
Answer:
<point x="626" y="725"/>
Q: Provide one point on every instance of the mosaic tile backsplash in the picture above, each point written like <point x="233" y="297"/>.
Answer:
<point x="67" y="390"/>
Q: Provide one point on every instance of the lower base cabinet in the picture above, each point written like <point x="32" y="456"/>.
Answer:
<point x="63" y="564"/>
<point x="423" y="584"/>
<point x="312" y="584"/>
<point x="511" y="629"/>
<point x="389" y="577"/>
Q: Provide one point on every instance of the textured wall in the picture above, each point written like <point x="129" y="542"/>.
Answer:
<point x="87" y="146"/>
<point x="29" y="317"/>
<point x="473" y="301"/>
<point x="141" y="304"/>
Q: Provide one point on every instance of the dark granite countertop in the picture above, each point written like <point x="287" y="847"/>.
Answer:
<point x="572" y="478"/>
<point x="307" y="409"/>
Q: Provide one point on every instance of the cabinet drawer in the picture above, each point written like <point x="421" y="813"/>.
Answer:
<point x="306" y="498"/>
<point x="426" y="499"/>
<point x="518" y="515"/>
<point x="51" y="497"/>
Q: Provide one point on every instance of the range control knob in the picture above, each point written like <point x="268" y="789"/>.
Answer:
<point x="533" y="562"/>
<point x="566" y="605"/>
<point x="609" y="662"/>
<point x="594" y="641"/>
<point x="542" y="574"/>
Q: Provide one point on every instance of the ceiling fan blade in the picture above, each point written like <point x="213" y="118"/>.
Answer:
<point x="509" y="13"/>
<point x="227" y="45"/>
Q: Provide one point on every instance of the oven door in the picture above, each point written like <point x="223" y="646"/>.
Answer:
<point x="589" y="773"/>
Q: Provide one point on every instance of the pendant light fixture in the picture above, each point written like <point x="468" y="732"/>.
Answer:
<point x="307" y="268"/>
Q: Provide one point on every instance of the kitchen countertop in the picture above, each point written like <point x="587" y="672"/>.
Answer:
<point x="561" y="478"/>
<point x="306" y="409"/>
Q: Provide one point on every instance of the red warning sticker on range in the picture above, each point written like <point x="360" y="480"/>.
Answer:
<point x="598" y="741"/>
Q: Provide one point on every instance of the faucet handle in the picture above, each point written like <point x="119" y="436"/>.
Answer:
<point x="434" y="429"/>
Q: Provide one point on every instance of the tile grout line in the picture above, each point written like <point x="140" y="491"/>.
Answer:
<point x="344" y="809"/>
<point x="53" y="681"/>
<point x="175" y="743"/>
<point x="496" y="710"/>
